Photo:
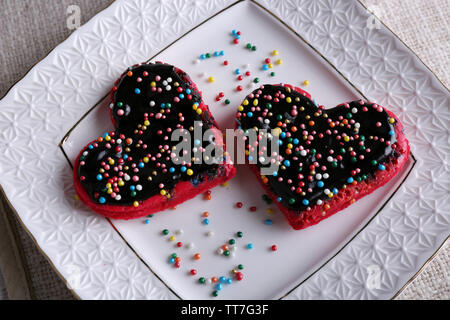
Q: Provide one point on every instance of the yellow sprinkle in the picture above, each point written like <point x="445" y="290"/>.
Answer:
<point x="276" y="132"/>
<point x="241" y="108"/>
<point x="111" y="161"/>
<point x="109" y="191"/>
<point x="275" y="52"/>
<point x="290" y="146"/>
<point x="108" y="185"/>
<point x="136" y="204"/>
<point x="330" y="195"/>
<point x="146" y="122"/>
<point x="288" y="100"/>
<point x="270" y="65"/>
<point x="146" y="159"/>
<point x="279" y="61"/>
<point x="255" y="102"/>
<point x="172" y="238"/>
<point x="121" y="183"/>
<point x="211" y="79"/>
<point x="107" y="138"/>
<point x="77" y="197"/>
<point x="199" y="111"/>
<point x="391" y="120"/>
<point x="245" y="102"/>
<point x="189" y="172"/>
<point x="224" y="184"/>
<point x="269" y="210"/>
<point x="163" y="192"/>
<point x="153" y="84"/>
<point x="346" y="138"/>
<point x="306" y="82"/>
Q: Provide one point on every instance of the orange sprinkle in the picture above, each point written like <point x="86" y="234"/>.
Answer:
<point x="225" y="247"/>
<point x="177" y="259"/>
<point x="214" y="279"/>
<point x="129" y="73"/>
<point x="208" y="197"/>
<point x="327" y="206"/>
<point x="332" y="124"/>
<point x="197" y="256"/>
<point x="311" y="123"/>
<point x="294" y="129"/>
<point x="206" y="214"/>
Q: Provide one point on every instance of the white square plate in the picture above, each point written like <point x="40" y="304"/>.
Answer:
<point x="129" y="259"/>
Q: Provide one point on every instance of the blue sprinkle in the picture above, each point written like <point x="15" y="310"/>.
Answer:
<point x="132" y="188"/>
<point x="137" y="90"/>
<point x="296" y="141"/>
<point x="91" y="146"/>
<point x="237" y="71"/>
<point x="229" y="281"/>
<point x="233" y="32"/>
<point x="280" y="142"/>
<point x="305" y="202"/>
<point x="320" y="184"/>
<point x="287" y="163"/>
<point x="381" y="167"/>
<point x="188" y="91"/>
<point x="250" y="246"/>
<point x="105" y="134"/>
<point x="279" y="199"/>
<point x="163" y="105"/>
<point x="206" y="221"/>
<point x="101" y="200"/>
<point x="181" y="96"/>
<point x="391" y="133"/>
<point x="222" y="53"/>
<point x="222" y="279"/>
<point x="183" y="169"/>
<point x="350" y="180"/>
<point x="172" y="260"/>
<point x="147" y="221"/>
<point x="172" y="170"/>
<point x="141" y="165"/>
<point x="249" y="114"/>
<point x="216" y="53"/>
<point x="237" y="36"/>
<point x="250" y="158"/>
<point x="268" y="222"/>
<point x="125" y="156"/>
<point x="203" y="56"/>
<point x="99" y="177"/>
<point x="265" y="67"/>
<point x="219" y="286"/>
<point x="275" y="173"/>
<point x="335" y="191"/>
<point x="283" y="135"/>
<point x="197" y="142"/>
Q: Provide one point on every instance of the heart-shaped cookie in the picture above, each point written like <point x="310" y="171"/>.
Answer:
<point x="131" y="171"/>
<point x="327" y="158"/>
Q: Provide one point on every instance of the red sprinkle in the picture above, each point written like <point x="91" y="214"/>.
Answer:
<point x="179" y="244"/>
<point x="274" y="248"/>
<point x="193" y="272"/>
<point x="239" y="204"/>
<point x="252" y="209"/>
<point x="239" y="88"/>
<point x="225" y="63"/>
<point x="236" y="41"/>
<point x="177" y="265"/>
<point x="239" y="276"/>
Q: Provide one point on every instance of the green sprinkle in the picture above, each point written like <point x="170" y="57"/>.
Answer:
<point x="256" y="80"/>
<point x="202" y="280"/>
<point x="342" y="150"/>
<point x="119" y="104"/>
<point x="374" y="162"/>
<point x="353" y="159"/>
<point x="165" y="232"/>
<point x="291" y="201"/>
<point x="226" y="253"/>
<point x="248" y="46"/>
<point x="232" y="241"/>
<point x="253" y="48"/>
<point x="272" y="74"/>
<point x="241" y="266"/>
<point x="173" y="255"/>
<point x="227" y="101"/>
<point x="239" y="234"/>
<point x="215" y="293"/>
<point x="208" y="55"/>
<point x="268" y="105"/>
<point x="334" y="164"/>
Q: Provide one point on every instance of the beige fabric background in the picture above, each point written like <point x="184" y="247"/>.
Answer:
<point x="30" y="29"/>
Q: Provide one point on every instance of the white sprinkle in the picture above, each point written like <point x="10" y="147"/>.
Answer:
<point x="179" y="231"/>
<point x="152" y="103"/>
<point x="210" y="233"/>
<point x="111" y="105"/>
<point x="326" y="175"/>
<point x="220" y="251"/>
<point x="318" y="176"/>
<point x="190" y="245"/>
<point x="354" y="110"/>
<point x="303" y="153"/>
<point x="118" y="197"/>
<point x="326" y="191"/>
<point x="319" y="202"/>
<point x="168" y="88"/>
<point x="208" y="281"/>
<point x="138" y="187"/>
<point x="169" y="79"/>
<point x="165" y="83"/>
<point x="329" y="158"/>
